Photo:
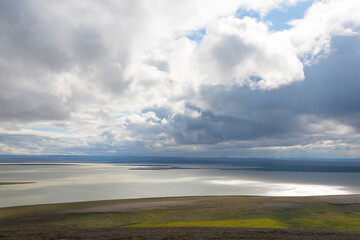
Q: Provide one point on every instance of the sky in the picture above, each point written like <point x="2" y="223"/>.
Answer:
<point x="232" y="78"/>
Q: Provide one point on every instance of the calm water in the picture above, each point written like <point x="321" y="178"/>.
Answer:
<point x="81" y="182"/>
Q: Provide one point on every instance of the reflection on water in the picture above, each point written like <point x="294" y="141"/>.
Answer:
<point x="82" y="182"/>
<point x="286" y="189"/>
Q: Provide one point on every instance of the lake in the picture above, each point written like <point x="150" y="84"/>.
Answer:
<point x="69" y="182"/>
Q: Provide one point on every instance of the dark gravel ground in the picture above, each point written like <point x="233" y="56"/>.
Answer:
<point x="179" y="233"/>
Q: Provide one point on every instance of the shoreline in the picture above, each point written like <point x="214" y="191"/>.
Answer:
<point x="336" y="199"/>
<point x="14" y="183"/>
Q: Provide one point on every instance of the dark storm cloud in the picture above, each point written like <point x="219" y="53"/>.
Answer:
<point x="209" y="128"/>
<point x="329" y="92"/>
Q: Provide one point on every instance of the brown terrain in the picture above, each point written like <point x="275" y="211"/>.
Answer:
<point x="180" y="233"/>
<point x="41" y="224"/>
<point x="130" y="207"/>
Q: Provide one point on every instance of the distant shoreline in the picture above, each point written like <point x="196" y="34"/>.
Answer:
<point x="13" y="183"/>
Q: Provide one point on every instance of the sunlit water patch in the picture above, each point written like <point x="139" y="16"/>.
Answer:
<point x="285" y="189"/>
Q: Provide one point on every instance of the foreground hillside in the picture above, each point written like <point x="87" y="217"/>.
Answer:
<point x="209" y="217"/>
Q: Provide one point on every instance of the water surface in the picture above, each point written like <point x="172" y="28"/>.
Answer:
<point x="54" y="183"/>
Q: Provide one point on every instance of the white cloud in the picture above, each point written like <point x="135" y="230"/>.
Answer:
<point x="5" y="149"/>
<point x="324" y="19"/>
<point x="243" y="51"/>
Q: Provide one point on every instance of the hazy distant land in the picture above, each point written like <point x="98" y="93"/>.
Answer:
<point x="249" y="217"/>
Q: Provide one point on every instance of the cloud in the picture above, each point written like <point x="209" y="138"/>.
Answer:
<point x="125" y="77"/>
<point x="322" y="107"/>
<point x="244" y="51"/>
<point x="324" y="19"/>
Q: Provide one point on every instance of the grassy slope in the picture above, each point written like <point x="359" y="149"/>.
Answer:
<point x="209" y="211"/>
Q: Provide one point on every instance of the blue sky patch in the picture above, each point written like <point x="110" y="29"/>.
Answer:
<point x="280" y="17"/>
<point x="196" y="36"/>
<point x="241" y="13"/>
